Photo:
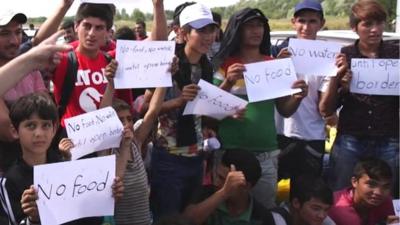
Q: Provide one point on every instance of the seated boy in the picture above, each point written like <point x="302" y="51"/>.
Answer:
<point x="310" y="200"/>
<point x="368" y="201"/>
<point x="229" y="201"/>
<point x="35" y="118"/>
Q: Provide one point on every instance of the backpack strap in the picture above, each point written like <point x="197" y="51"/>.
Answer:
<point x="107" y="56"/>
<point x="284" y="213"/>
<point x="69" y="81"/>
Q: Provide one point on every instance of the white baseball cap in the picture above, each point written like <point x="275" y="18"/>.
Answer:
<point x="7" y="15"/>
<point x="196" y="15"/>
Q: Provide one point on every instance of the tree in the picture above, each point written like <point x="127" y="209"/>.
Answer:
<point x="124" y="15"/>
<point x="138" y="15"/>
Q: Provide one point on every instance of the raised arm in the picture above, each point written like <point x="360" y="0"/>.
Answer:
<point x="159" y="28"/>
<point x="41" y="57"/>
<point x="50" y="26"/>
<point x="150" y="117"/>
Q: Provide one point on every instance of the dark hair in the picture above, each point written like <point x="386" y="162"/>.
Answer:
<point x="125" y="33"/>
<point x="217" y="18"/>
<point x="67" y="24"/>
<point x="178" y="10"/>
<point x="244" y="161"/>
<point x="367" y="10"/>
<point x="304" y="11"/>
<point x="119" y="105"/>
<point x="230" y="44"/>
<point x="141" y="22"/>
<point x="375" y="168"/>
<point x="35" y="103"/>
<point x="104" y="12"/>
<point x="306" y="187"/>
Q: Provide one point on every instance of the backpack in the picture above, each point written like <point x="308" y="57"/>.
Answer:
<point x="269" y="219"/>
<point x="70" y="79"/>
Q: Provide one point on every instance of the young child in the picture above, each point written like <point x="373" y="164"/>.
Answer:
<point x="368" y="201"/>
<point x="35" y="118"/>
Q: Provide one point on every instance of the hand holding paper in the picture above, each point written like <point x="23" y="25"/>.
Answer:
<point x="214" y="102"/>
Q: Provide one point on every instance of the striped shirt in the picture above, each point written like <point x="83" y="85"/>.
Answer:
<point x="133" y="208"/>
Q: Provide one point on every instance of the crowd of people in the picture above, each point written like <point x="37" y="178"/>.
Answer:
<point x="164" y="175"/>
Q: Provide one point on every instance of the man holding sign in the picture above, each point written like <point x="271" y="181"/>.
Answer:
<point x="302" y="136"/>
<point x="247" y="40"/>
<point x="35" y="117"/>
<point x="368" y="124"/>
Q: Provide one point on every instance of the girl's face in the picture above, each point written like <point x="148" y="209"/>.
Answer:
<point x="370" y="31"/>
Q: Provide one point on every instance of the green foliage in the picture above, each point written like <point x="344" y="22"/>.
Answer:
<point x="138" y="15"/>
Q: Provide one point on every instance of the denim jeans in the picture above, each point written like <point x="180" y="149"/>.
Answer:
<point x="348" y="150"/>
<point x="173" y="179"/>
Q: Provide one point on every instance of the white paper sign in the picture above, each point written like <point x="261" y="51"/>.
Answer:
<point x="99" y="1"/>
<point x="144" y="64"/>
<point x="71" y="190"/>
<point x="94" y="131"/>
<point x="313" y="57"/>
<point x="214" y="102"/>
<point x="270" y="79"/>
<point x="375" y="76"/>
<point x="396" y="206"/>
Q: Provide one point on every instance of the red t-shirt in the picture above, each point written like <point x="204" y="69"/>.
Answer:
<point x="89" y="86"/>
<point x="111" y="45"/>
<point x="343" y="212"/>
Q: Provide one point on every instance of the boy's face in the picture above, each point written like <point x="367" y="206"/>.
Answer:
<point x="10" y="40"/>
<point x="307" y="24"/>
<point x="371" y="192"/>
<point x="126" y="117"/>
<point x="370" y="31"/>
<point x="200" y="40"/>
<point x="312" y="212"/>
<point x="92" y="33"/>
<point x="36" y="134"/>
<point x="69" y="34"/>
<point x="252" y="33"/>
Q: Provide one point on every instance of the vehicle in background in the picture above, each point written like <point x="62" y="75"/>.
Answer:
<point x="344" y="37"/>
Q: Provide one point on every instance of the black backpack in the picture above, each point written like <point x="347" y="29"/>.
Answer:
<point x="70" y="79"/>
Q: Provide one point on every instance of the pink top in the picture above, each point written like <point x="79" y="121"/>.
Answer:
<point x="343" y="213"/>
<point x="31" y="83"/>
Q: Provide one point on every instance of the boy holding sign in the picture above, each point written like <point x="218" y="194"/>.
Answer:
<point x="247" y="40"/>
<point x="302" y="136"/>
<point x="179" y="139"/>
<point x="368" y="124"/>
<point x="35" y="118"/>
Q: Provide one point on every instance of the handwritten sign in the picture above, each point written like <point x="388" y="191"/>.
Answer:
<point x="375" y="76"/>
<point x="143" y="64"/>
<point x="71" y="190"/>
<point x="214" y="102"/>
<point x="312" y="57"/>
<point x="94" y="131"/>
<point x="270" y="79"/>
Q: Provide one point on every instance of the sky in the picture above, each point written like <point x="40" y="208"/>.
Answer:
<point x="36" y="8"/>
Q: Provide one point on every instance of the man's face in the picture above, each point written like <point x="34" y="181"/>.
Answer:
<point x="312" y="212"/>
<point x="10" y="40"/>
<point x="92" y="33"/>
<point x="307" y="24"/>
<point x="252" y="33"/>
<point x="201" y="40"/>
<point x="139" y="29"/>
<point x="371" y="192"/>
<point x="69" y="35"/>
